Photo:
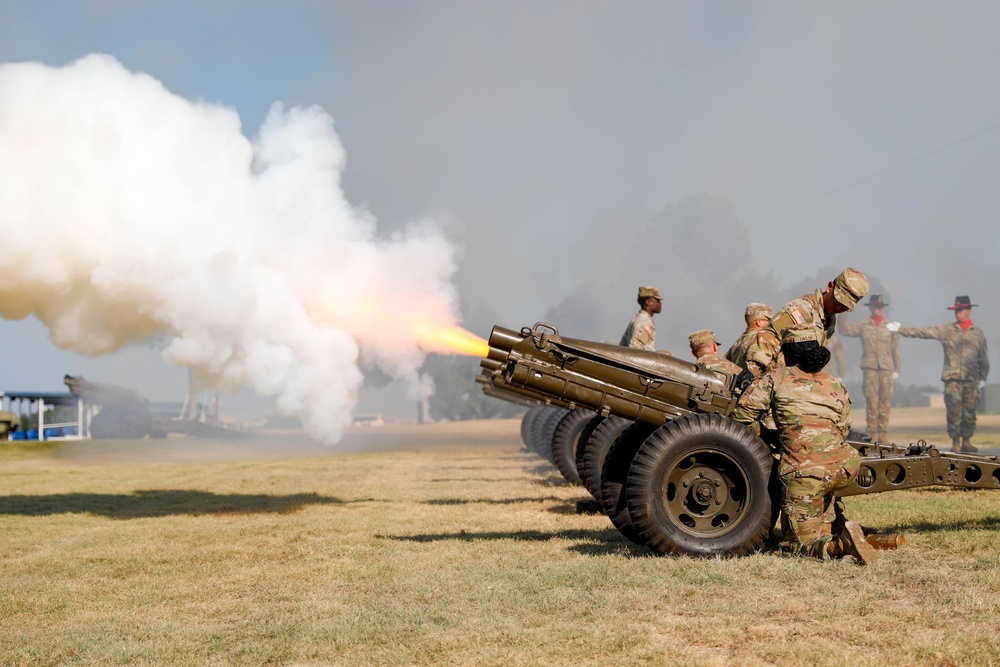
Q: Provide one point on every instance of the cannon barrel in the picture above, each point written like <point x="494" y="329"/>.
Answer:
<point x="640" y="385"/>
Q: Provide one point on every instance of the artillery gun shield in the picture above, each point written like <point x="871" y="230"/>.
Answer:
<point x="699" y="486"/>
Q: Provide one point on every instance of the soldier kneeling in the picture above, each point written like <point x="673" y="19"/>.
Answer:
<point x="812" y="412"/>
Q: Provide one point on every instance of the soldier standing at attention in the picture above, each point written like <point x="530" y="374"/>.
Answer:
<point x="641" y="332"/>
<point x="705" y="349"/>
<point x="818" y="310"/>
<point x="880" y="364"/>
<point x="757" y="315"/>
<point x="966" y="365"/>
<point x="813" y="414"/>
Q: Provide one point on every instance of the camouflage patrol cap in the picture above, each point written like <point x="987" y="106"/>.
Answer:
<point x="799" y="333"/>
<point x="755" y="310"/>
<point x="647" y="291"/>
<point x="850" y="287"/>
<point x="701" y="337"/>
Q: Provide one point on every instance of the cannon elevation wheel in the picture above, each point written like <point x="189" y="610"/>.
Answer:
<point x="699" y="486"/>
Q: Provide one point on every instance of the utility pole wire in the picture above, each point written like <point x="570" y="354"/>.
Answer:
<point x="894" y="167"/>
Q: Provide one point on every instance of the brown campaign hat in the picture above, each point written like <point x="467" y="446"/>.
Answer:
<point x="875" y="301"/>
<point x="647" y="291"/>
<point x="701" y="337"/>
<point x="962" y="302"/>
<point x="850" y="287"/>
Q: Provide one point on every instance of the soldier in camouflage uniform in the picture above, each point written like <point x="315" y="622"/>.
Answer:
<point x="818" y="310"/>
<point x="705" y="349"/>
<point x="813" y="414"/>
<point x="641" y="331"/>
<point x="757" y="315"/>
<point x="966" y="365"/>
<point x="837" y="355"/>
<point x="880" y="364"/>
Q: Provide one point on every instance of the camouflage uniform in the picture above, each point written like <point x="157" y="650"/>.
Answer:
<point x="738" y="351"/>
<point x="640" y="332"/>
<point x="807" y="311"/>
<point x="703" y="339"/>
<point x="715" y="362"/>
<point x="966" y="364"/>
<point x="836" y="355"/>
<point x="879" y="360"/>
<point x="813" y="414"/>
<point x="765" y="352"/>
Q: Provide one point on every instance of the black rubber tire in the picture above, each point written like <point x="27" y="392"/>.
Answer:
<point x="531" y="441"/>
<point x="704" y="454"/>
<point x="527" y="422"/>
<point x="581" y="447"/>
<point x="614" y="475"/>
<point x="545" y="428"/>
<point x="564" y="443"/>
<point x="597" y="447"/>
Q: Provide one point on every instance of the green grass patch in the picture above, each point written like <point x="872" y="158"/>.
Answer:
<point x="456" y="548"/>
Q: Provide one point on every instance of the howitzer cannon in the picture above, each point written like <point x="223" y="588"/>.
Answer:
<point x="656" y="447"/>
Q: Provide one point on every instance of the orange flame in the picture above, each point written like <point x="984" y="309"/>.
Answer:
<point x="451" y="340"/>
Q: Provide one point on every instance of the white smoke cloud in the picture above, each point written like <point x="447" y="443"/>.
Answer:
<point x="128" y="212"/>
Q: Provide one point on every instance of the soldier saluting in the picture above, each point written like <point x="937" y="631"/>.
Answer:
<point x="966" y="365"/>
<point x="880" y="364"/>
<point x="817" y="311"/>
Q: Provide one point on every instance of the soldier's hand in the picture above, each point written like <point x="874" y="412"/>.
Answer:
<point x="895" y="376"/>
<point x="893" y="326"/>
<point x="982" y="383"/>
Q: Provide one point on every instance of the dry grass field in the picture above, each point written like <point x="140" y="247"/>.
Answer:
<point x="447" y="544"/>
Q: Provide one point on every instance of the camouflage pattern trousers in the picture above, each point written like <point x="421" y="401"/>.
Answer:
<point x="808" y="501"/>
<point x="878" y="402"/>
<point x="960" y="401"/>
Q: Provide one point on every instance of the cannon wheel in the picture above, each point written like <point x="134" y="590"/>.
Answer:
<point x="614" y="474"/>
<point x="598" y="444"/>
<point x="526" y="424"/>
<point x="564" y="441"/>
<point x="581" y="446"/>
<point x="699" y="486"/>
<point x="544" y="429"/>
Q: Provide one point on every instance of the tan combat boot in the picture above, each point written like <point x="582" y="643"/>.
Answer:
<point x="968" y="446"/>
<point x="852" y="542"/>
<point x="956" y="445"/>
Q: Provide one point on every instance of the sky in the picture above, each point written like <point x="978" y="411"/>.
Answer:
<point x="569" y="152"/>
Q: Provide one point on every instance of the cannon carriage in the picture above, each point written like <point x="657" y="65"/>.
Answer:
<point x="650" y="437"/>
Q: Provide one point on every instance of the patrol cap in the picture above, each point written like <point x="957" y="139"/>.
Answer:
<point x="701" y="337"/>
<point x="755" y="310"/>
<point x="799" y="333"/>
<point x="647" y="291"/>
<point x="850" y="287"/>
